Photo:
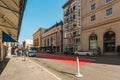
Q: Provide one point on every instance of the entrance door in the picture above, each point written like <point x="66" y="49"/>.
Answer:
<point x="109" y="41"/>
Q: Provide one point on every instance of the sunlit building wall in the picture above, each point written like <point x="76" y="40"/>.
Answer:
<point x="101" y="25"/>
<point x="52" y="39"/>
<point x="72" y="25"/>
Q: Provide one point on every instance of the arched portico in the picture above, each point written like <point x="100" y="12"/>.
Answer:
<point x="109" y="42"/>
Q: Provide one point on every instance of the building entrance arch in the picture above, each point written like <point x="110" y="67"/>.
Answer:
<point x="109" y="41"/>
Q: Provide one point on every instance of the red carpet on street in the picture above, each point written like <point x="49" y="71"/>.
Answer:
<point x="65" y="59"/>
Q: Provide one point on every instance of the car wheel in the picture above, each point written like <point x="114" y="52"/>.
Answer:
<point x="76" y="53"/>
<point x="88" y="54"/>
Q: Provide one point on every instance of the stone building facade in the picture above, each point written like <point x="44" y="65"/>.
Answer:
<point x="72" y="25"/>
<point x="11" y="14"/>
<point x="49" y="39"/>
<point x="101" y="25"/>
<point x="37" y="38"/>
<point x="52" y="39"/>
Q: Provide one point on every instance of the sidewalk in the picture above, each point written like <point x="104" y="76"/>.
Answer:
<point x="18" y="69"/>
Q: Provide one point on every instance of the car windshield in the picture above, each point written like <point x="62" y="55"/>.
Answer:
<point x="32" y="51"/>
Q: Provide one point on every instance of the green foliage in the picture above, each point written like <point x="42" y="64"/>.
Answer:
<point x="118" y="49"/>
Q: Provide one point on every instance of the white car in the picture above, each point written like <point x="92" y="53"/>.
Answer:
<point x="32" y="53"/>
<point x="88" y="53"/>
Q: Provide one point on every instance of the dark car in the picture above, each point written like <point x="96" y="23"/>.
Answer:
<point x="69" y="52"/>
<point x="32" y="53"/>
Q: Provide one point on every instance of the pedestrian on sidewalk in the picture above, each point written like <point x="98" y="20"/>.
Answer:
<point x="20" y="52"/>
<point x="16" y="51"/>
<point x="24" y="54"/>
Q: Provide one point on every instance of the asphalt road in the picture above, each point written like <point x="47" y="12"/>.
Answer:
<point x="102" y="68"/>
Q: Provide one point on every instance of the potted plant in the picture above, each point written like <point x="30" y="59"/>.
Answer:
<point x="118" y="49"/>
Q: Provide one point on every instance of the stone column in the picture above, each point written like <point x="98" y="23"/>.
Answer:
<point x="1" y="51"/>
<point x="9" y="49"/>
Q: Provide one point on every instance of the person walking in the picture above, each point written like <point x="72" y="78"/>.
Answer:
<point x="16" y="52"/>
<point x="24" y="54"/>
<point x="20" y="52"/>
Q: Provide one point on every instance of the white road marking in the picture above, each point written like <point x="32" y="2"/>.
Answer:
<point x="47" y="70"/>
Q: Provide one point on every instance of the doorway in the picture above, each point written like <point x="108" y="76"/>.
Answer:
<point x="109" y="41"/>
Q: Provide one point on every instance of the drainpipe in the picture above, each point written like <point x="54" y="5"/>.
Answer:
<point x="81" y="24"/>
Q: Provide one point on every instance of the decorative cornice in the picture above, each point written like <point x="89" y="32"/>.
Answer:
<point x="49" y="35"/>
<point x="101" y="23"/>
<point x="67" y="3"/>
<point x="100" y="8"/>
<point x="55" y="25"/>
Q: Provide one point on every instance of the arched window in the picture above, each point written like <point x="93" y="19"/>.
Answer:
<point x="109" y="41"/>
<point x="45" y="42"/>
<point x="93" y="42"/>
<point x="51" y="41"/>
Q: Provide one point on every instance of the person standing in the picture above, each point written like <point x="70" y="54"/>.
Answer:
<point x="20" y="52"/>
<point x="24" y="54"/>
<point x="16" y="51"/>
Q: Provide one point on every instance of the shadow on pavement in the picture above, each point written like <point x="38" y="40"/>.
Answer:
<point x="105" y="59"/>
<point x="3" y="64"/>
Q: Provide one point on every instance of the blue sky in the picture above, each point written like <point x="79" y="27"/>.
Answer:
<point x="40" y="13"/>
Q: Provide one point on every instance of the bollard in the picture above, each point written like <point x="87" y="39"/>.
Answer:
<point x="78" y="68"/>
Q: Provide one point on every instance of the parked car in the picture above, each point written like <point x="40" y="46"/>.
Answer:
<point x="49" y="51"/>
<point x="69" y="52"/>
<point x="31" y="53"/>
<point x="88" y="53"/>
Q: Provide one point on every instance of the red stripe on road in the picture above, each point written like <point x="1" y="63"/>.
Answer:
<point x="65" y="59"/>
